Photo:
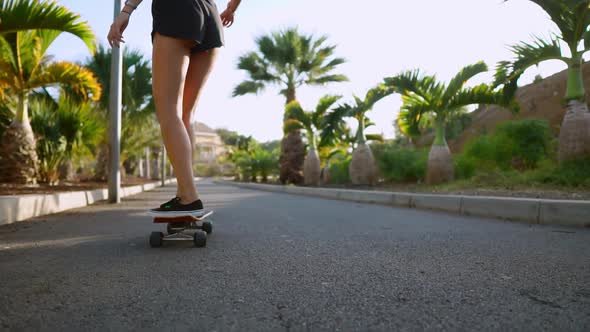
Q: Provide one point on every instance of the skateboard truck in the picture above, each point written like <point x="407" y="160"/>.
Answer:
<point x="185" y="228"/>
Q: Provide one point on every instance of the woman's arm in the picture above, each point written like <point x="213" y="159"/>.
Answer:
<point x="130" y="6"/>
<point x="227" y="17"/>
<point x="233" y="5"/>
<point x="115" y="36"/>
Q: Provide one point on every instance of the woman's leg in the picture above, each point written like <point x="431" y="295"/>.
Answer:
<point x="170" y="61"/>
<point x="198" y="71"/>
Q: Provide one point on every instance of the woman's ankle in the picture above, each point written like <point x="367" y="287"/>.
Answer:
<point x="188" y="199"/>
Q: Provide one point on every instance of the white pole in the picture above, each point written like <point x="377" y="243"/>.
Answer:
<point x="148" y="169"/>
<point x="163" y="166"/>
<point x="115" y="119"/>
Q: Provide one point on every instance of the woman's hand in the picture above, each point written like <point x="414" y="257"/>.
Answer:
<point x="227" y="17"/>
<point x="115" y="36"/>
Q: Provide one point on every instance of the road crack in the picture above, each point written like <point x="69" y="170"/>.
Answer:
<point x="539" y="300"/>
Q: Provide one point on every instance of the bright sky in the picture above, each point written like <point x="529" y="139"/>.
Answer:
<point x="379" y="38"/>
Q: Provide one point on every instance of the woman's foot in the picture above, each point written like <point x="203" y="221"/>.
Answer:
<point x="175" y="208"/>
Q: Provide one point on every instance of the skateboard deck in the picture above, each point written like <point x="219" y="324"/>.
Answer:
<point x="185" y="228"/>
<point x="183" y="219"/>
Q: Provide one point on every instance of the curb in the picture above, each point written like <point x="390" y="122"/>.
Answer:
<point x="18" y="208"/>
<point x="573" y="213"/>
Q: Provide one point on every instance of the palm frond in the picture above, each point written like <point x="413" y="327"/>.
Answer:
<point x="327" y="79"/>
<point x="333" y="124"/>
<point x="376" y="94"/>
<point x="375" y="137"/>
<point x="294" y="111"/>
<point x="481" y="94"/>
<point x="248" y="87"/>
<point x="463" y="76"/>
<point x="257" y="68"/>
<point x="79" y="79"/>
<point x="409" y="120"/>
<point x="292" y="125"/>
<point x="561" y="13"/>
<point x="527" y="55"/>
<point x="21" y="15"/>
<point x="412" y="82"/>
<point x="322" y="107"/>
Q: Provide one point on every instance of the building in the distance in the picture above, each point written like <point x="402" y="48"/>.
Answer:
<point x="208" y="144"/>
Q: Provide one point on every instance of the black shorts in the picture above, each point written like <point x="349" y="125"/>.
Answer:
<point x="196" y="20"/>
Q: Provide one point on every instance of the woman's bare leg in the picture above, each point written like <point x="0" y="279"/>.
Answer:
<point x="198" y="71"/>
<point x="171" y="59"/>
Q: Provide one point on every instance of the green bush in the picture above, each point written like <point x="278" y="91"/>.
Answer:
<point x="515" y="145"/>
<point x="465" y="166"/>
<point x="402" y="164"/>
<point x="575" y="173"/>
<point x="207" y="170"/>
<point x="528" y="140"/>
<point x="339" y="170"/>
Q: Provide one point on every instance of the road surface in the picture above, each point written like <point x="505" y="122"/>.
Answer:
<point x="277" y="262"/>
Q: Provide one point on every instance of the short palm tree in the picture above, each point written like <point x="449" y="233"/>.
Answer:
<point x="311" y="122"/>
<point x="27" y="29"/>
<point x="289" y="59"/>
<point x="572" y="19"/>
<point x="63" y="130"/>
<point x="423" y="96"/>
<point x="362" y="167"/>
<point x="139" y="127"/>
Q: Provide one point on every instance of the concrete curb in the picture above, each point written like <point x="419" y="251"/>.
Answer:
<point x="533" y="211"/>
<point x="18" y="208"/>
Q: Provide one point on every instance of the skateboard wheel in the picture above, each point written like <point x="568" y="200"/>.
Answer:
<point x="208" y="227"/>
<point x="156" y="239"/>
<point x="200" y="239"/>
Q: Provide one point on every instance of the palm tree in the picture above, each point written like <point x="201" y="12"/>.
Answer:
<point x="424" y="96"/>
<point x="139" y="127"/>
<point x="311" y="122"/>
<point x="62" y="129"/>
<point x="24" y="67"/>
<point x="362" y="167"/>
<point x="289" y="60"/>
<point x="572" y="19"/>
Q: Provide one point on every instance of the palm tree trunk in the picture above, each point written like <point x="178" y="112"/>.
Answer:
<point x="19" y="162"/>
<point x="440" y="161"/>
<point x="362" y="168"/>
<point x="575" y="79"/>
<point x="574" y="135"/>
<point x="312" y="168"/>
<point x="292" y="151"/>
<point x="325" y="174"/>
<point x="102" y="162"/>
<point x="360" y="133"/>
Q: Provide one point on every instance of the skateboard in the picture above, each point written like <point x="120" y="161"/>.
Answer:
<point x="185" y="228"/>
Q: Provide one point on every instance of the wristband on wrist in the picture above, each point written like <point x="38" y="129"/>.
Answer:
<point x="126" y="12"/>
<point x="130" y="4"/>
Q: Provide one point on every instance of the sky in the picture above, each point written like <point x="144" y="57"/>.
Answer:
<point x="378" y="38"/>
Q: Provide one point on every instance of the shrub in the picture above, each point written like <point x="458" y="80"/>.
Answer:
<point x="339" y="170"/>
<point x="402" y="164"/>
<point x="515" y="145"/>
<point x="574" y="173"/>
<point x="208" y="170"/>
<point x="465" y="166"/>
<point x="528" y="139"/>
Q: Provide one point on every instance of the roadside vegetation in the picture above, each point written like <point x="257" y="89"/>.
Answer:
<point x="53" y="114"/>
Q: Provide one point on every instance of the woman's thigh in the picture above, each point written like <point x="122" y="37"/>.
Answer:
<point x="201" y="64"/>
<point x="170" y="61"/>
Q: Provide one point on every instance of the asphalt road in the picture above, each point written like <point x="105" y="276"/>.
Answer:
<point x="277" y="262"/>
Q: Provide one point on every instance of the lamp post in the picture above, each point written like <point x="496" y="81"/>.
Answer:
<point x="115" y="119"/>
